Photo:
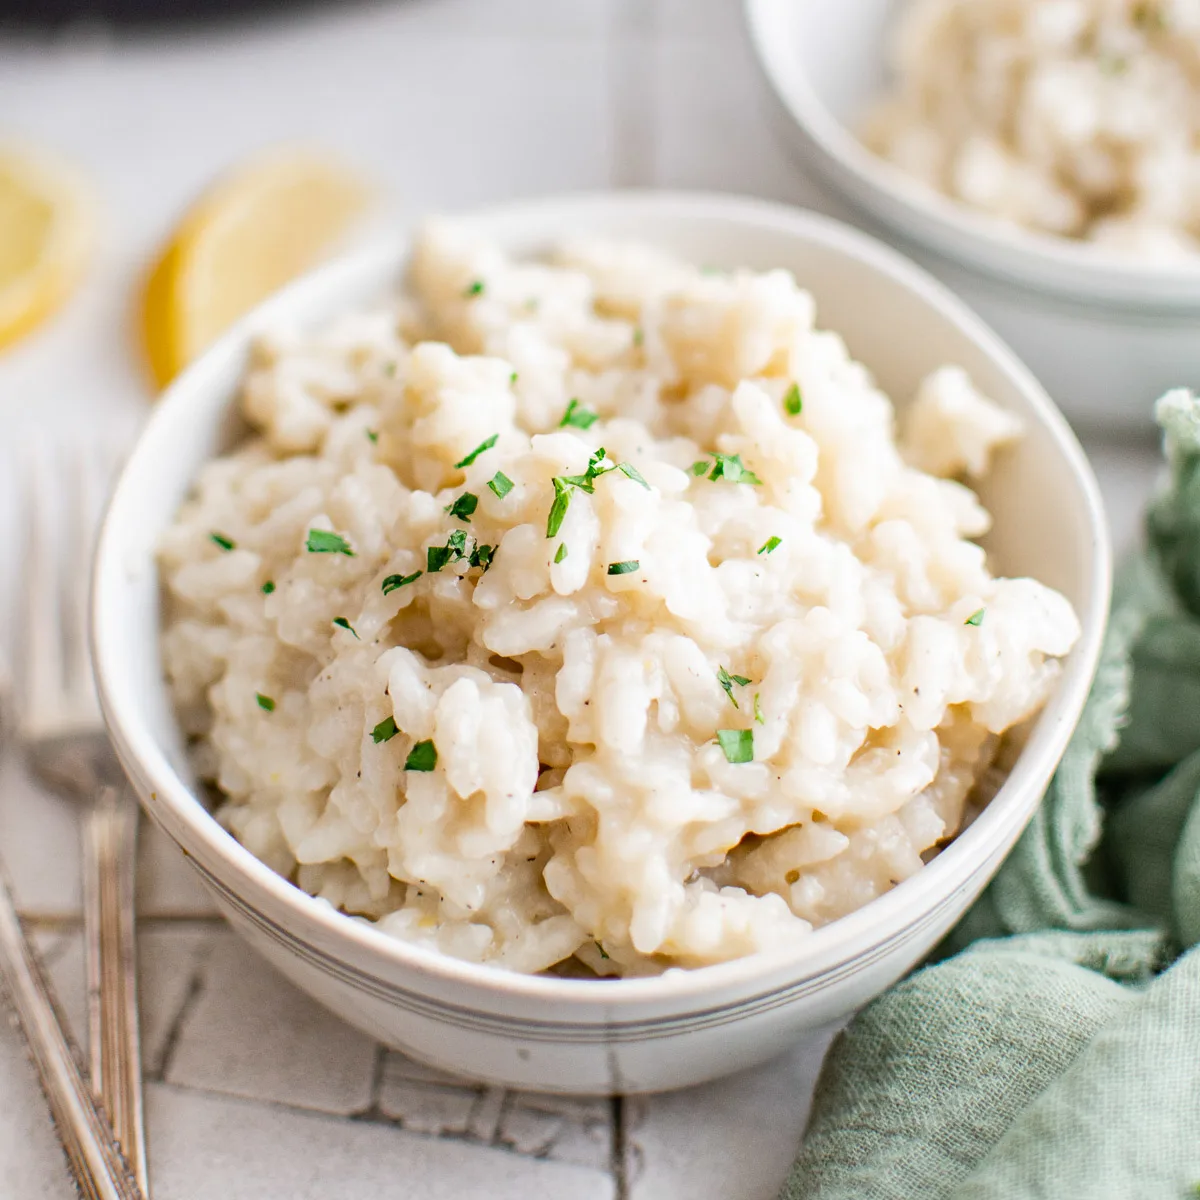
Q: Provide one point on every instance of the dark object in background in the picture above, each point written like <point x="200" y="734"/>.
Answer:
<point x="51" y="13"/>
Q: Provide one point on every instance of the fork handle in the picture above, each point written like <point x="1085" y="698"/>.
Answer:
<point x="114" y="1043"/>
<point x="91" y="1148"/>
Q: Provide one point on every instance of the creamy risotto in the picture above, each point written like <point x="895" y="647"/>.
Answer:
<point x="1073" y="117"/>
<point x="594" y="612"/>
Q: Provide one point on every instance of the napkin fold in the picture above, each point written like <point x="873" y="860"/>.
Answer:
<point x="1057" y="1052"/>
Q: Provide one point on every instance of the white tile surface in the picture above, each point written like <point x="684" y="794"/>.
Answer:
<point x="251" y="1034"/>
<point x="40" y="842"/>
<point x="448" y="102"/>
<point x="214" y="1148"/>
<point x="733" y="1138"/>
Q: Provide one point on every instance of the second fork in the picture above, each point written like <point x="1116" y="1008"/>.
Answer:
<point x="63" y="735"/>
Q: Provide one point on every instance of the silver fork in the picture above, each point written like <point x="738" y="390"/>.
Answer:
<point x="60" y="726"/>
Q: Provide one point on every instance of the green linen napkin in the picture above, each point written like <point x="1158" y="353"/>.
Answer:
<point x="1057" y="1054"/>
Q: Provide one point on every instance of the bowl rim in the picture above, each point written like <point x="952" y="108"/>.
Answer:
<point x="883" y="920"/>
<point x="1081" y="271"/>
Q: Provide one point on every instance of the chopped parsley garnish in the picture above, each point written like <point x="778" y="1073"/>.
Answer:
<point x="372" y="436"/>
<point x="481" y="556"/>
<point x="389" y="368"/>
<point x="464" y="506"/>
<point x="512" y="379"/>
<point x="392" y="582"/>
<point x="342" y="623"/>
<point x="699" y="468"/>
<point x="578" y="416"/>
<point x="486" y="444"/>
<point x="738" y="744"/>
<point x="793" y="402"/>
<point x="631" y="472"/>
<point x="268" y="587"/>
<point x="500" y="484"/>
<point x="639" y="336"/>
<point x="562" y="552"/>
<point x="321" y="541"/>
<point x="624" y="568"/>
<point x="730" y="468"/>
<point x="436" y="557"/>
<point x="558" y="510"/>
<point x="601" y="949"/>
<point x="475" y="289"/>
<point x="264" y="702"/>
<point x="384" y="731"/>
<point x="221" y="540"/>
<point x="422" y="757"/>
<point x="585" y="483"/>
<point x="727" y="681"/>
<point x="758" y="711"/>
<point x="976" y="618"/>
<point x="769" y="545"/>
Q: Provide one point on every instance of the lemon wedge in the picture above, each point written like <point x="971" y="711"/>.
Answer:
<point x="251" y="233"/>
<point x="46" y="234"/>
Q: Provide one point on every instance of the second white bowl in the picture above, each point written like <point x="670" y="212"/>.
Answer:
<point x="1105" y="335"/>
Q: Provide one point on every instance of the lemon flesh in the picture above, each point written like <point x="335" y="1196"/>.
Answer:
<point x="46" y="227"/>
<point x="248" y="236"/>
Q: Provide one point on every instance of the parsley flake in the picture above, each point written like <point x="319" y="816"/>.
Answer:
<point x="475" y="289"/>
<point x="264" y="702"/>
<point x="486" y="444"/>
<point x="793" y="402"/>
<point x="562" y="552"/>
<point x="738" y="744"/>
<point x="464" y="506"/>
<point x="342" y="623"/>
<point x="758" y="711"/>
<point x="512" y="379"/>
<point x="422" y="757"/>
<point x="631" y="472"/>
<point x="601" y="949"/>
<point x="268" y="587"/>
<point x="436" y="557"/>
<point x="727" y="681"/>
<point x="384" y="731"/>
<point x="624" y="568"/>
<point x="578" y="416"/>
<point x="699" y="468"/>
<point x="321" y="541"/>
<point x="639" y="336"/>
<point x="976" y="618"/>
<point x="500" y="484"/>
<point x="372" y="436"/>
<point x="389" y="368"/>
<point x="731" y="468"/>
<point x="393" y="582"/>
<point x="481" y="556"/>
<point x="558" y="510"/>
<point x="221" y="540"/>
<point x="769" y="545"/>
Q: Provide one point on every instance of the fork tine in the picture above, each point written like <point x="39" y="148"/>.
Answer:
<point x="41" y="657"/>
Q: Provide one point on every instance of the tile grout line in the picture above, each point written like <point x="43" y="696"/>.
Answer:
<point x="620" y="1166"/>
<point x="187" y="1006"/>
<point x="66" y="922"/>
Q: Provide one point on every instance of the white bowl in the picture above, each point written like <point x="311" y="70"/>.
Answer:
<point x="1106" y="335"/>
<point x="686" y="1026"/>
